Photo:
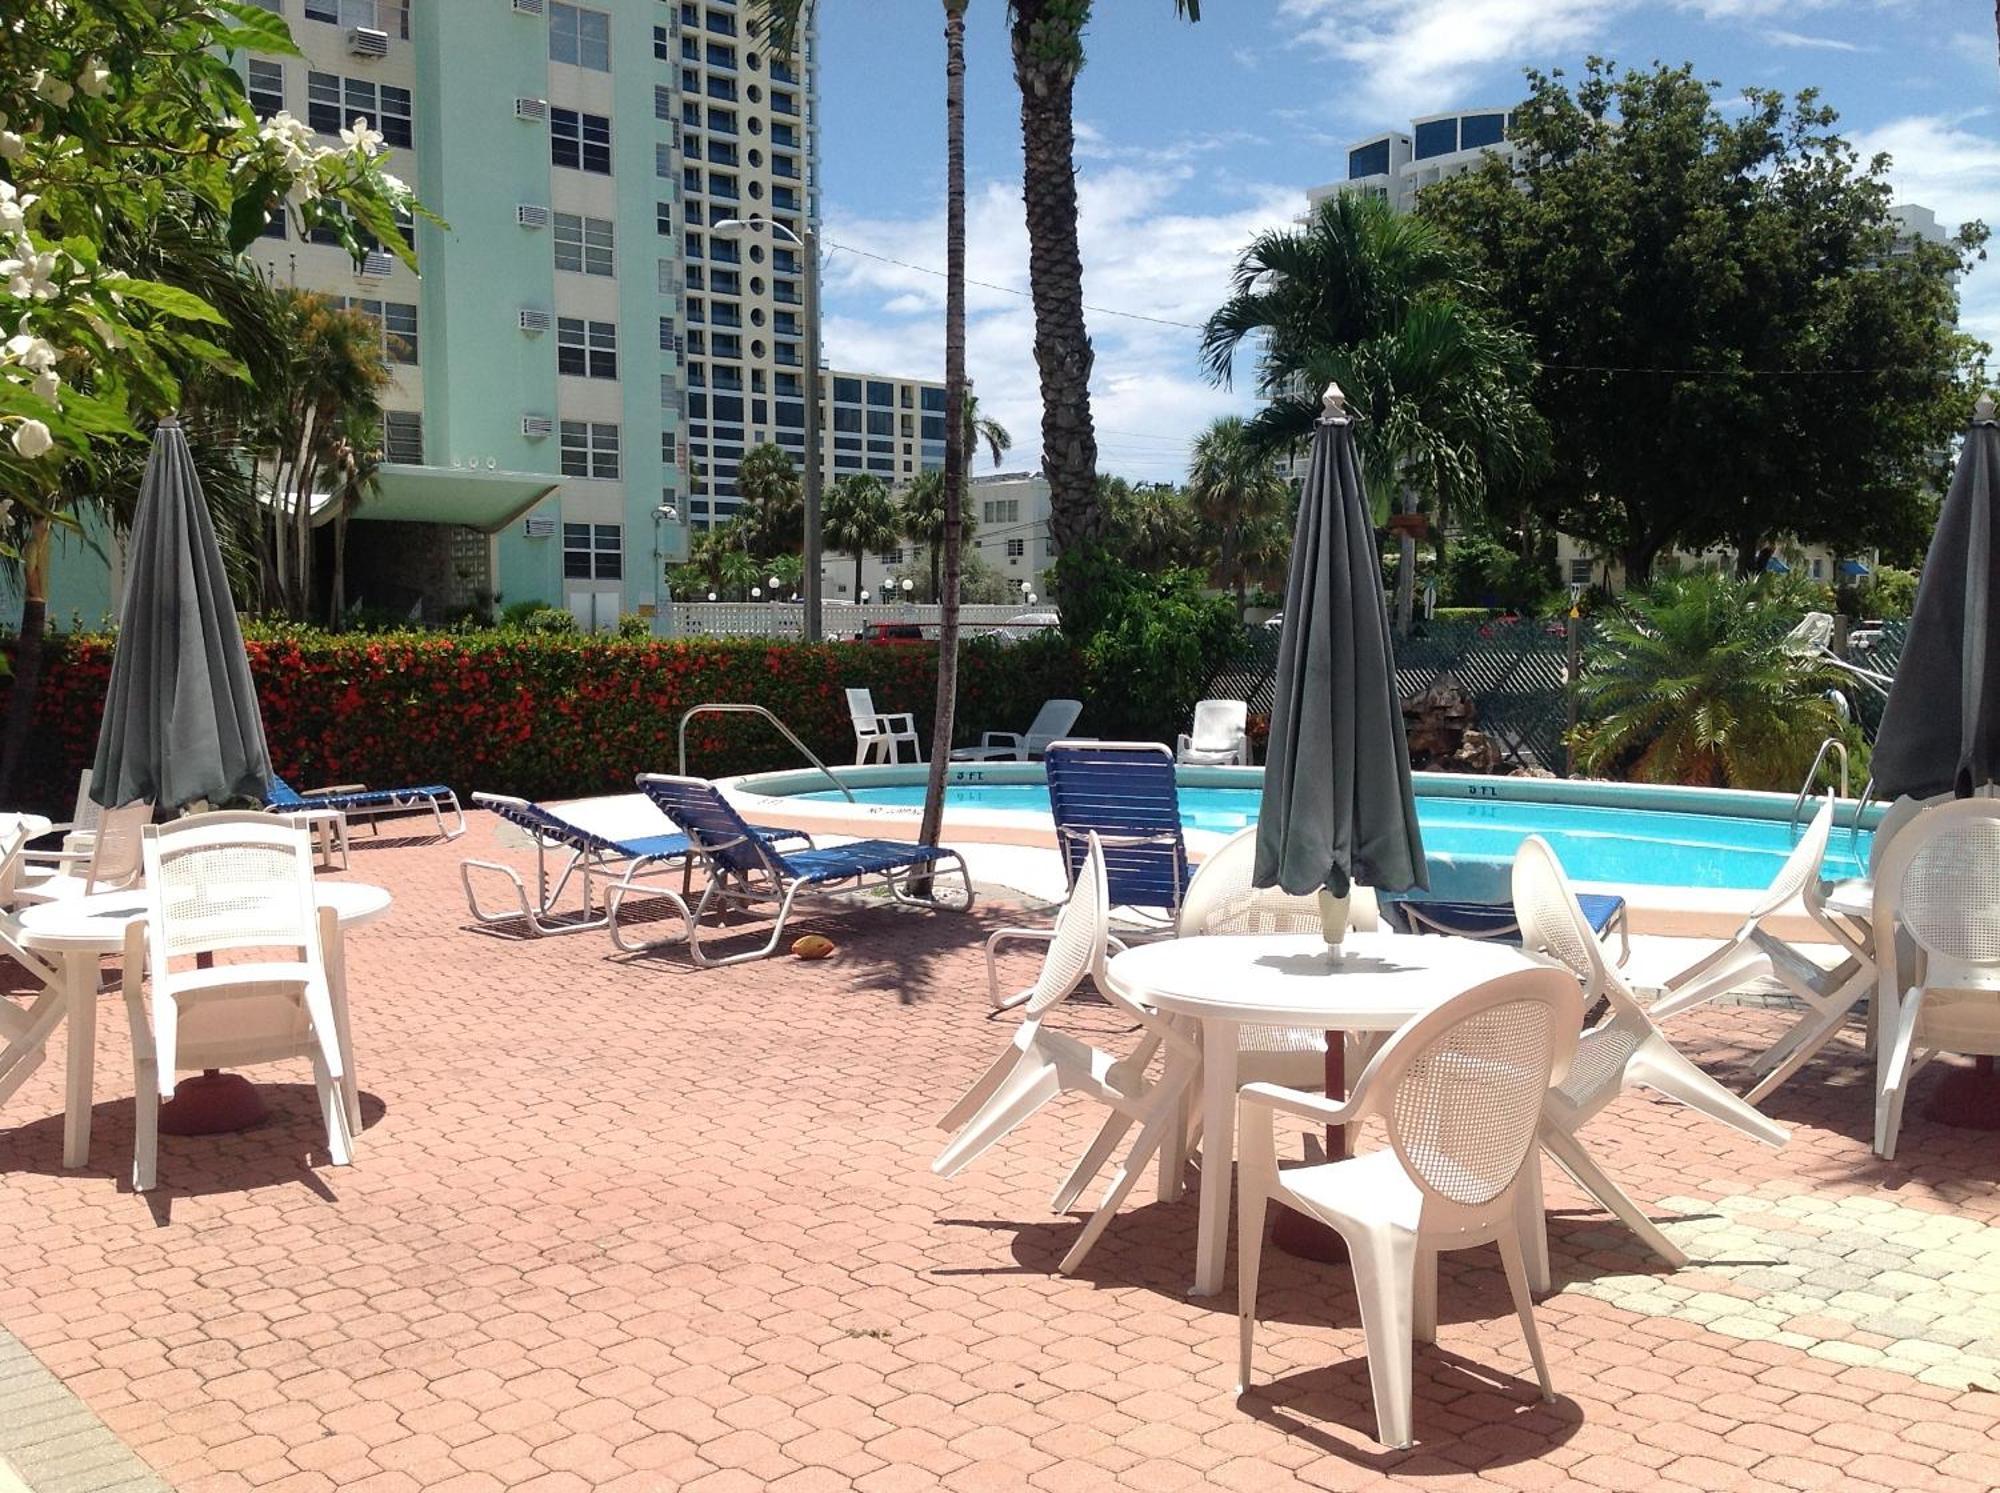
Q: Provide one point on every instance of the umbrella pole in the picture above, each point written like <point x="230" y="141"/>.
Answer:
<point x="1294" y="1232"/>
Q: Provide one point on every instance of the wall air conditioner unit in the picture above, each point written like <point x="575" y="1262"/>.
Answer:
<point x="534" y="319"/>
<point x="375" y="264"/>
<point x="534" y="110"/>
<point x="538" y="526"/>
<point x="531" y="215"/>
<point x="527" y="7"/>
<point x="537" y="427"/>
<point x="366" y="41"/>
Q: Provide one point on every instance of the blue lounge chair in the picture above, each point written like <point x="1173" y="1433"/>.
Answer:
<point x="587" y="855"/>
<point x="1125" y="793"/>
<point x="1605" y="914"/>
<point x="743" y="868"/>
<point x="369" y="804"/>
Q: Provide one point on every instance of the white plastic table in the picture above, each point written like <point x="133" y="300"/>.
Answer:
<point x="1377" y="982"/>
<point x="79" y="931"/>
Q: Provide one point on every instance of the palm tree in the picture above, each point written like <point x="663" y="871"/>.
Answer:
<point x="1691" y="684"/>
<point x="1382" y="304"/>
<point x="1234" y="487"/>
<point x="773" y="501"/>
<point x="1047" y="37"/>
<point x="921" y="512"/>
<point x="859" y="516"/>
<point x="984" y="430"/>
<point x="354" y="465"/>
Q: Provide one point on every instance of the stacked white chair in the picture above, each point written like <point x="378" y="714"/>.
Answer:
<point x="1938" y="884"/>
<point x="1624" y="1049"/>
<point x="1460" y="1091"/>
<point x="110" y="863"/>
<point x="1041" y="1063"/>
<point x="24" y="1031"/>
<point x="229" y="883"/>
<point x="1219" y="736"/>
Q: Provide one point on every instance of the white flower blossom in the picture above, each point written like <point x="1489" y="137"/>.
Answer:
<point x="397" y="189"/>
<point x="33" y="353"/>
<point x="56" y="90"/>
<point x="32" y="439"/>
<point x="12" y="146"/>
<point x="95" y="79"/>
<point x="14" y="209"/>
<point x="359" y="138"/>
<point x="30" y="276"/>
<point x="46" y="385"/>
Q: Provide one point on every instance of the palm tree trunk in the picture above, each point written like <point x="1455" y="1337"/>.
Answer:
<point x="337" y="600"/>
<point x="857" y="574"/>
<point x="27" y="655"/>
<point x="932" y="824"/>
<point x="1047" y="44"/>
<point x="1406" y="568"/>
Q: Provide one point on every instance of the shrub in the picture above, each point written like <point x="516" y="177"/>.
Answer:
<point x="1150" y="642"/>
<point x="550" y="715"/>
<point x="517" y="612"/>
<point x="548" y="621"/>
<point x="633" y="626"/>
<point x="1481" y="572"/>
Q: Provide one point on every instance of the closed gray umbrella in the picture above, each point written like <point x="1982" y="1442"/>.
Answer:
<point x="1337" y="802"/>
<point x="180" y="714"/>
<point x="1941" y="728"/>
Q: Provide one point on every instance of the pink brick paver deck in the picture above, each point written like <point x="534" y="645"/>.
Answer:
<point x="620" y="1223"/>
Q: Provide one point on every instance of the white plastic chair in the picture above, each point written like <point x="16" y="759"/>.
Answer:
<point x="111" y="863"/>
<point x="82" y="822"/>
<point x="1939" y="886"/>
<point x="1623" y="1050"/>
<point x="880" y="736"/>
<point x="1051" y="723"/>
<point x="1460" y="1090"/>
<point x="1220" y="734"/>
<point x="24" y="1031"/>
<point x="216" y="883"/>
<point x="1041" y="1063"/>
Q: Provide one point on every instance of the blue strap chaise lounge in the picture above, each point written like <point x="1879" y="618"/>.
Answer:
<point x="743" y="868"/>
<point x="587" y="856"/>
<point x="369" y="803"/>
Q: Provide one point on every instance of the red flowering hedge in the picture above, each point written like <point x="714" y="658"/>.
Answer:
<point x="548" y="716"/>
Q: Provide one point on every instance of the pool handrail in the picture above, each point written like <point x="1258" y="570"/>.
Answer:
<point x="1839" y="748"/>
<point x="718" y="707"/>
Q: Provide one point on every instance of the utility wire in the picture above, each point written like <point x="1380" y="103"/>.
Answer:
<point x="924" y="269"/>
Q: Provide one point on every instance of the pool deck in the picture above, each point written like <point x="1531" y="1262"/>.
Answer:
<point x="620" y="1223"/>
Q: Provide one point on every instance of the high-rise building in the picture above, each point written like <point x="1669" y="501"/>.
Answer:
<point x="888" y="427"/>
<point x="1395" y="165"/>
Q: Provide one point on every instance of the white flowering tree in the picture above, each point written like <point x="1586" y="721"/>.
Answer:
<point x="118" y="117"/>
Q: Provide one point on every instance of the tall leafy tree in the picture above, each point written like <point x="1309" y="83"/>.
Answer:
<point x="1236" y="490"/>
<point x="1153" y="526"/>
<point x="1732" y="344"/>
<point x="1384" y="305"/>
<point x="860" y="516"/>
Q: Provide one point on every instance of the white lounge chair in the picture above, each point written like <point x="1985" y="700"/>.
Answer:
<point x="110" y="863"/>
<point x="1052" y="723"/>
<point x="1220" y="735"/>
<point x="1939" y="886"/>
<point x="1623" y="1050"/>
<point x="880" y="736"/>
<point x="1040" y="1064"/>
<point x="232" y="881"/>
<point x="1460" y="1091"/>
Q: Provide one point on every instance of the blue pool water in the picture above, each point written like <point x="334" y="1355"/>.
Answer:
<point x="1626" y="846"/>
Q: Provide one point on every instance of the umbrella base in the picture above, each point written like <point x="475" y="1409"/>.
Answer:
<point x="1307" y="1238"/>
<point x="212" y="1103"/>
<point x="1968" y="1098"/>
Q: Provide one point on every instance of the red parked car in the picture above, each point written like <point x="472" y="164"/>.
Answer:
<point x="892" y="632"/>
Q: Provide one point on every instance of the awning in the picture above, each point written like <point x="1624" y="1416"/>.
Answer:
<point x="482" y="500"/>
<point x="1776" y="566"/>
<point x="1851" y="567"/>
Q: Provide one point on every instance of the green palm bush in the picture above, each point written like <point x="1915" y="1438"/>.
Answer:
<point x="1691" y="683"/>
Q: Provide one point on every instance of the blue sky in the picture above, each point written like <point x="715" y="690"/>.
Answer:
<point x="1192" y="138"/>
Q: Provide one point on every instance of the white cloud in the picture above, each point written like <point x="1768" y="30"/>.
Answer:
<point x="1955" y="171"/>
<point x="1140" y="255"/>
<point x="1780" y="38"/>
<point x="1416" y="56"/>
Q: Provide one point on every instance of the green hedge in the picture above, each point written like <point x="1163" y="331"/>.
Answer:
<point x="550" y="716"/>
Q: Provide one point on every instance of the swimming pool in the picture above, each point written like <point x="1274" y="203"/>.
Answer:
<point x="1469" y="839"/>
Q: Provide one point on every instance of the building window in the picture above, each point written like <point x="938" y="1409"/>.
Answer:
<point x="663" y="160"/>
<point x="663" y="102"/>
<point x="583" y="244"/>
<point x="580" y="36"/>
<point x="396" y="320"/>
<point x="586" y="349"/>
<point x="593" y="552"/>
<point x="391" y="16"/>
<point x="1017" y="549"/>
<point x="663" y="217"/>
<point x="403" y="437"/>
<point x="1580" y="567"/>
<point x="1437" y="137"/>
<point x="266" y="87"/>
<point x="333" y="103"/>
<point x="590" y="449"/>
<point x="580" y="141"/>
<point x="660" y="44"/>
<point x="1000" y="511"/>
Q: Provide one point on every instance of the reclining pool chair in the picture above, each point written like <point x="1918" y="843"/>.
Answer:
<point x="370" y="803"/>
<point x="1605" y="913"/>
<point x="1125" y="793"/>
<point x="587" y="855"/>
<point x="743" y="868"/>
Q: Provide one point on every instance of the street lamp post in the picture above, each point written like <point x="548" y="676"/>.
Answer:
<point x="808" y="245"/>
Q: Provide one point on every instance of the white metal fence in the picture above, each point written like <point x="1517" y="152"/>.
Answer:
<point x="764" y="619"/>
